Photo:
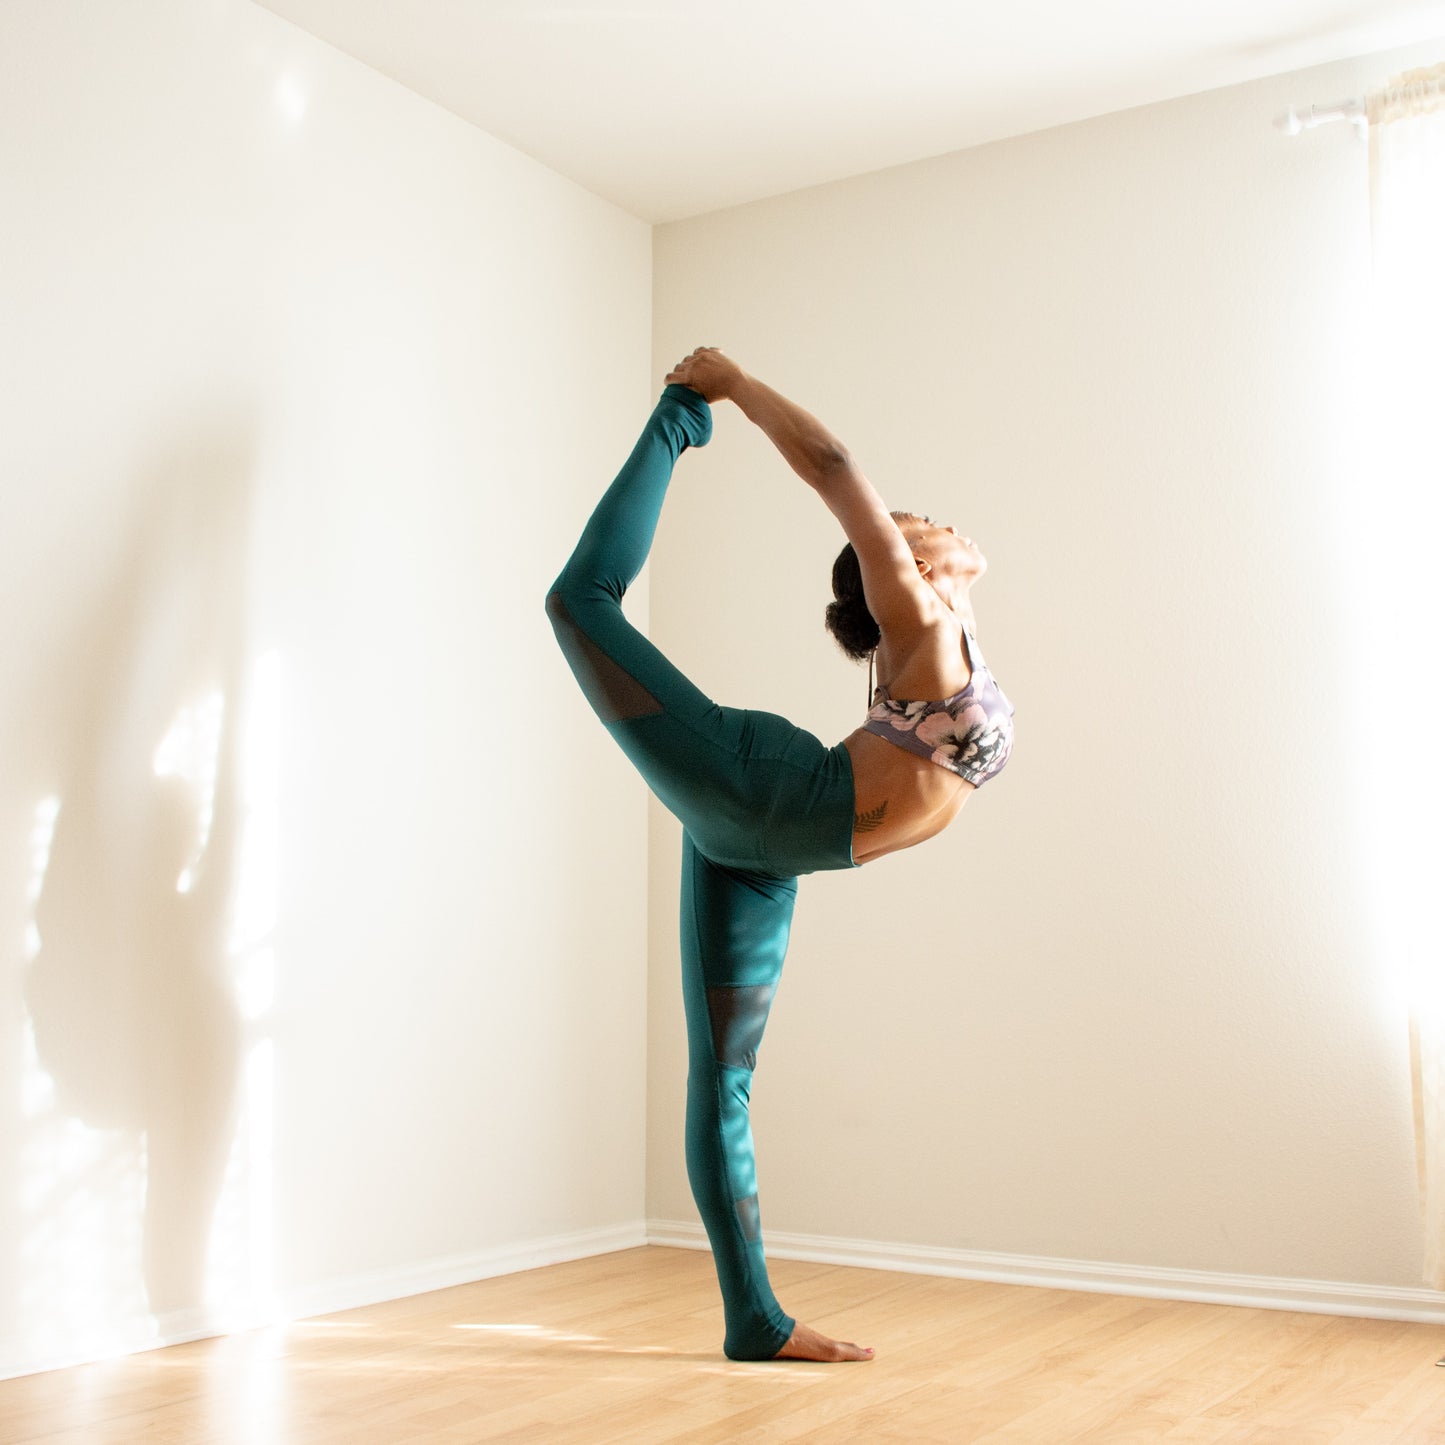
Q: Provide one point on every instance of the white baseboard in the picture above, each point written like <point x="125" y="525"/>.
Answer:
<point x="336" y="1295"/>
<point x="1384" y="1302"/>
<point x="104" y="1340"/>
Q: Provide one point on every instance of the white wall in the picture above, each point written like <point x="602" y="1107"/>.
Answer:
<point x="305" y="386"/>
<point x="1130" y="1008"/>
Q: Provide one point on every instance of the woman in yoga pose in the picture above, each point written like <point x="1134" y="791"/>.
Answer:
<point x="762" y="801"/>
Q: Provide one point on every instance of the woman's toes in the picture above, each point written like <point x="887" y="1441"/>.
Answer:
<point x="806" y="1343"/>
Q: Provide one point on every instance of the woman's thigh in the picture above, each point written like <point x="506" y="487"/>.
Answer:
<point x="731" y="776"/>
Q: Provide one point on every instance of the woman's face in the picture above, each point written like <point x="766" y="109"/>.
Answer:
<point x="948" y="554"/>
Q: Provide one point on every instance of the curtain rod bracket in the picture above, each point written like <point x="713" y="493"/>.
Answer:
<point x="1293" y="121"/>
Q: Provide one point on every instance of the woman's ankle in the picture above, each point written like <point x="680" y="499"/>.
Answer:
<point x="692" y="410"/>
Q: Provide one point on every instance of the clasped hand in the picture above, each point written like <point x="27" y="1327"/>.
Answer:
<point x="708" y="371"/>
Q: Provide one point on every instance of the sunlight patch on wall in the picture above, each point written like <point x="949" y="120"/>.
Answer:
<point x="81" y="1198"/>
<point x="290" y="98"/>
<point x="82" y="1201"/>
<point x="189" y="752"/>
<point x="93" y="1254"/>
<point x="240" y="1268"/>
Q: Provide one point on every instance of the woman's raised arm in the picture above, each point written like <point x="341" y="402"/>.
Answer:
<point x="895" y="592"/>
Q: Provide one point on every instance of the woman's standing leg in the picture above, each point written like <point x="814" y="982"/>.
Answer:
<point x="734" y="936"/>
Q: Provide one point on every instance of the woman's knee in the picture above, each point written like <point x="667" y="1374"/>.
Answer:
<point x="614" y="694"/>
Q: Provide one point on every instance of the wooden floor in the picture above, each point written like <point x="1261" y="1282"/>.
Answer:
<point x="625" y="1347"/>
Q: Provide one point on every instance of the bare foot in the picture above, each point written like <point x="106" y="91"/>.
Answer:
<point x="808" y="1344"/>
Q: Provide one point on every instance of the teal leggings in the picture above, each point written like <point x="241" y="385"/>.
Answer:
<point x="760" y="802"/>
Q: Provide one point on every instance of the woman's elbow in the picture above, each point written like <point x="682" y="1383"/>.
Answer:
<point x="828" y="460"/>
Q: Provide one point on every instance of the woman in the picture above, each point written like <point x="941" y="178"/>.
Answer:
<point x="762" y="801"/>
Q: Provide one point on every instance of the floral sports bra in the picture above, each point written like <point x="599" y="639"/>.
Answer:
<point x="970" y="733"/>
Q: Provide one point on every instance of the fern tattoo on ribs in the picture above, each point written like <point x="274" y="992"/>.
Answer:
<point x="867" y="822"/>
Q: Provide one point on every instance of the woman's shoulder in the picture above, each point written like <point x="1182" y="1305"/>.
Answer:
<point x="928" y="662"/>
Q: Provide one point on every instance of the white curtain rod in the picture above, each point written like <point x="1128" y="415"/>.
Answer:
<point x="1416" y="92"/>
<point x="1292" y="122"/>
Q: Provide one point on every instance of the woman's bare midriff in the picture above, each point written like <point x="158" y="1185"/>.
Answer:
<point x="900" y="799"/>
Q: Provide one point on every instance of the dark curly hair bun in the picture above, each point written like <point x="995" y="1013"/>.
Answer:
<point x="848" y="617"/>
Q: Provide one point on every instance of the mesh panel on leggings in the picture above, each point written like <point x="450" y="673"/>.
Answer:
<point x="614" y="694"/>
<point x="738" y="1017"/>
<point x="749" y="1218"/>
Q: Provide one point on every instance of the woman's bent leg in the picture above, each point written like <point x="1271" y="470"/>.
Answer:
<point x="742" y="782"/>
<point x="735" y="928"/>
<point x="686" y="747"/>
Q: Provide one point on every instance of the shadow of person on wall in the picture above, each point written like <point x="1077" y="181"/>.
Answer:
<point x="130" y="992"/>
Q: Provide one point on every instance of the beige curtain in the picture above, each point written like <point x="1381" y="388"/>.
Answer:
<point x="1405" y="491"/>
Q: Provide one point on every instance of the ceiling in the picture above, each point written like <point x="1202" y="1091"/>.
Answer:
<point x="670" y="108"/>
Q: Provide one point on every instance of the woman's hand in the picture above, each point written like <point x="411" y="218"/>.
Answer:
<point x="708" y="371"/>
